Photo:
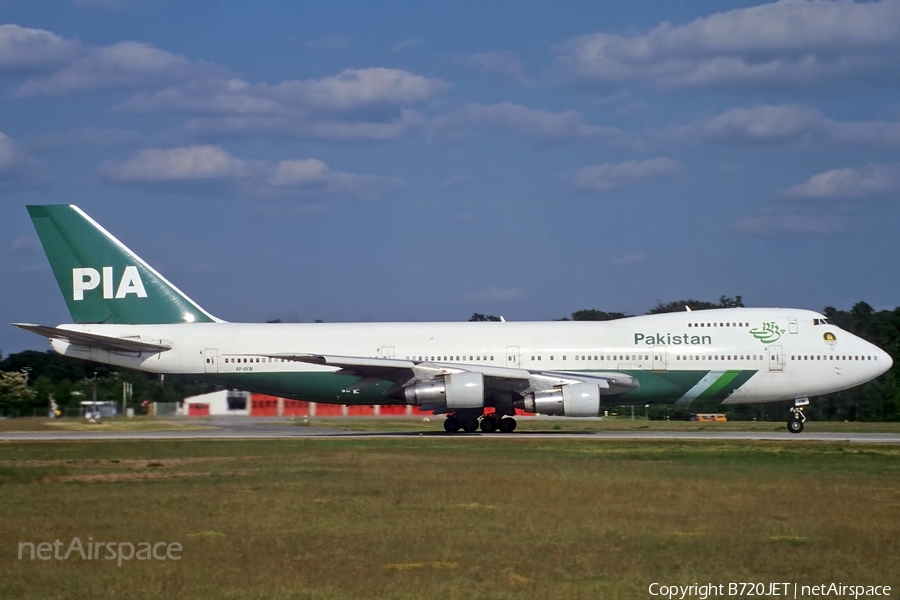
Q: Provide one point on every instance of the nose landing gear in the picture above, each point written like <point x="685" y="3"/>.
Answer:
<point x="797" y="419"/>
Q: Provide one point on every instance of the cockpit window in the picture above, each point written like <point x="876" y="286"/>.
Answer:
<point x="821" y="322"/>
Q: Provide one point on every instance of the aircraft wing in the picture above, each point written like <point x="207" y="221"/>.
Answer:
<point x="104" y="342"/>
<point x="405" y="372"/>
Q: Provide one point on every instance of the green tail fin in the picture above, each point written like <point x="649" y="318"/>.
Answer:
<point x="102" y="280"/>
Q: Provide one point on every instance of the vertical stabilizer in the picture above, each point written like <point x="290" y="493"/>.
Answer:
<point x="102" y="280"/>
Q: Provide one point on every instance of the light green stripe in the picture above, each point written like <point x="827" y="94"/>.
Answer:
<point x="719" y="384"/>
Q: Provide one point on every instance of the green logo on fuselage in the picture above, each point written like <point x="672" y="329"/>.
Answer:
<point x="768" y="333"/>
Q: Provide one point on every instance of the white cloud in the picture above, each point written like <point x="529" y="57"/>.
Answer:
<point x="495" y="294"/>
<point x="190" y="163"/>
<point x="406" y="44"/>
<point x="628" y="259"/>
<point x="127" y="64"/>
<point x="871" y="180"/>
<point x="608" y="176"/>
<point x="761" y="123"/>
<point x="368" y="104"/>
<point x="349" y="89"/>
<point x="515" y="119"/>
<point x="209" y="164"/>
<point x="311" y="126"/>
<point x="315" y="174"/>
<point x="786" y="123"/>
<point x="24" y="49"/>
<point x="17" y="168"/>
<point x="502" y="64"/>
<point x="9" y="152"/>
<point x="86" y="136"/>
<point x="792" y="42"/>
<point x="25" y="244"/>
<point x="775" y="220"/>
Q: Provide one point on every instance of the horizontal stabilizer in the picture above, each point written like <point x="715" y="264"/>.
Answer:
<point x="104" y="342"/>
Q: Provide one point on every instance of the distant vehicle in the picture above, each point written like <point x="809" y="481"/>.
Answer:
<point x="127" y="314"/>
<point x="710" y="417"/>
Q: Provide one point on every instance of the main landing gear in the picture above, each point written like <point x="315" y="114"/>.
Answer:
<point x="797" y="419"/>
<point x="470" y="423"/>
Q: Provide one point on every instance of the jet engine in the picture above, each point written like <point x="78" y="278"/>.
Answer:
<point x="455" y="391"/>
<point x="574" y="400"/>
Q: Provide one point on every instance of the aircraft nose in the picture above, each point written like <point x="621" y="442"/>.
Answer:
<point x="885" y="361"/>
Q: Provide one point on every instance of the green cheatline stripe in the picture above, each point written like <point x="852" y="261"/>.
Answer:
<point x="718" y="385"/>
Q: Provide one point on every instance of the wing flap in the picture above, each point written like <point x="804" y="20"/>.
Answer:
<point x="104" y="342"/>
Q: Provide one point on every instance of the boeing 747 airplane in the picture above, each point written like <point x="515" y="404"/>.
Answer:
<point x="126" y="314"/>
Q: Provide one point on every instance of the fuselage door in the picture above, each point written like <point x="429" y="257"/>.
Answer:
<point x="659" y="358"/>
<point x="513" y="357"/>
<point x="776" y="358"/>
<point x="792" y="325"/>
<point x="211" y="360"/>
<point x="387" y="352"/>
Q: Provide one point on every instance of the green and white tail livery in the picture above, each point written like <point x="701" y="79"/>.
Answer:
<point x="101" y="279"/>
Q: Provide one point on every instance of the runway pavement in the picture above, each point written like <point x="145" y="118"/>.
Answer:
<point x="235" y="428"/>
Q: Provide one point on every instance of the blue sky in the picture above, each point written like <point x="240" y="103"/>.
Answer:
<point x="422" y="161"/>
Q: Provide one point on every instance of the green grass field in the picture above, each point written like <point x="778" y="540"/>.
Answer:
<point x="117" y="424"/>
<point x="435" y="424"/>
<point x="448" y="517"/>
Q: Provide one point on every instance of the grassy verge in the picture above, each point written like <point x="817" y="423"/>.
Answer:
<point x="435" y="423"/>
<point x="448" y="517"/>
<point x="77" y="424"/>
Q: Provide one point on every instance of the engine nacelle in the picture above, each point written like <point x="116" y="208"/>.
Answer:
<point x="574" y="400"/>
<point x="455" y="391"/>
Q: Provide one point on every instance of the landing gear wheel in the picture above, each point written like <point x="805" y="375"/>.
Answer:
<point x="488" y="424"/>
<point x="451" y="424"/>
<point x="795" y="423"/>
<point x="470" y="425"/>
<point x="507" y="425"/>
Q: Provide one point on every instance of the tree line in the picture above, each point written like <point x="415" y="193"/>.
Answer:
<point x="30" y="379"/>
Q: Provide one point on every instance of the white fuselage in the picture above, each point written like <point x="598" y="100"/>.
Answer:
<point x="782" y="353"/>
